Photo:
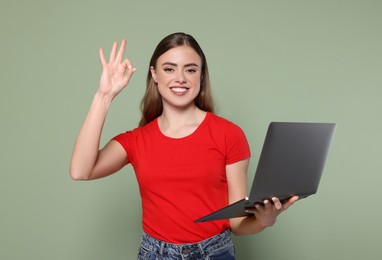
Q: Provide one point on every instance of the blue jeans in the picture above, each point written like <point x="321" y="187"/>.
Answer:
<point x="217" y="247"/>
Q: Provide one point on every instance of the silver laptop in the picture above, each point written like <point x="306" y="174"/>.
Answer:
<point x="291" y="163"/>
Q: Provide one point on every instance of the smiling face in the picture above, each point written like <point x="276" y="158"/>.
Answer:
<point x="153" y="102"/>
<point x="177" y="74"/>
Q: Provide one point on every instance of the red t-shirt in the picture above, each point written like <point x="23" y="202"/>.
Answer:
<point x="181" y="180"/>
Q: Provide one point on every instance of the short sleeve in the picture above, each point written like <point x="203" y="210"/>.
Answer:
<point x="126" y="140"/>
<point x="236" y="144"/>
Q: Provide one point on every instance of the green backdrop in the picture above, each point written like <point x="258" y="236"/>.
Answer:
<point x="271" y="60"/>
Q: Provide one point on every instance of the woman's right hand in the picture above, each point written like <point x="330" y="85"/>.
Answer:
<point x="115" y="73"/>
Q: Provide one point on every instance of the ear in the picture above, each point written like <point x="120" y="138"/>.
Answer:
<point x="153" y="74"/>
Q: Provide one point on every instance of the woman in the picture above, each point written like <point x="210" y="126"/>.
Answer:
<point x="188" y="161"/>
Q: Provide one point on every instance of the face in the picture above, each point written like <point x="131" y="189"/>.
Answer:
<point x="177" y="74"/>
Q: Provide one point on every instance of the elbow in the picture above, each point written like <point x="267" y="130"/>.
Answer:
<point x="78" y="175"/>
<point x="243" y="232"/>
<point x="245" y="226"/>
<point x="236" y="228"/>
<point x="238" y="232"/>
<point x="235" y="232"/>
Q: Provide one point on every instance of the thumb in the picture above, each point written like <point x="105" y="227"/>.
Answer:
<point x="129" y="70"/>
<point x="290" y="202"/>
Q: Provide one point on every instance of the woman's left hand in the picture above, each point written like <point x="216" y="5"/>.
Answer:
<point x="267" y="213"/>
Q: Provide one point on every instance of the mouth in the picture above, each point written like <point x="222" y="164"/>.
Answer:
<point x="179" y="90"/>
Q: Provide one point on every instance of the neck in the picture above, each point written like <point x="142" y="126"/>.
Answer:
<point x="175" y="122"/>
<point x="179" y="117"/>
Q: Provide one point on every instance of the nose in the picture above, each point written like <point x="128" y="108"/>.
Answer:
<point x="180" y="77"/>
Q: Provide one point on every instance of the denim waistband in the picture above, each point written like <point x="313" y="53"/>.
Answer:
<point x="203" y="247"/>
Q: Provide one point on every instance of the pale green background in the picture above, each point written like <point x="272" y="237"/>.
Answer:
<point x="269" y="60"/>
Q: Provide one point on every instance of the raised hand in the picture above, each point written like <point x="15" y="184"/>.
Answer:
<point x="115" y="73"/>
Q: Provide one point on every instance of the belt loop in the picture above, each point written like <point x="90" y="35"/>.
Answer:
<point x="201" y="249"/>
<point x="161" y="248"/>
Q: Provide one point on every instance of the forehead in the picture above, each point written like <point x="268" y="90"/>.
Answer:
<point x="180" y="55"/>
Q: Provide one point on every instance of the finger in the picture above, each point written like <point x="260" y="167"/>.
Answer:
<point x="259" y="208"/>
<point x="126" y="64"/>
<point x="267" y="203"/>
<point x="130" y="70"/>
<point x="121" y="51"/>
<point x="290" y="202"/>
<point x="102" y="57"/>
<point x="113" y="52"/>
<point x="277" y="203"/>
<point x="125" y="67"/>
<point x="251" y="211"/>
<point x="254" y="210"/>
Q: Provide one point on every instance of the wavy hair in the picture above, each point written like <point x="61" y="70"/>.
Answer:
<point x="151" y="104"/>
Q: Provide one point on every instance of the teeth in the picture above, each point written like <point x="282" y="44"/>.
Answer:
<point x="179" y="90"/>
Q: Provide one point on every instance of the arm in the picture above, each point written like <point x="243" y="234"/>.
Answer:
<point x="88" y="161"/>
<point x="265" y="216"/>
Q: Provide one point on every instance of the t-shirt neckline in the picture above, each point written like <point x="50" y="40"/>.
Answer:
<point x="184" y="137"/>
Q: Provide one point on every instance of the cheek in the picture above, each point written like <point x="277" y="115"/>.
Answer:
<point x="196" y="79"/>
<point x="164" y="78"/>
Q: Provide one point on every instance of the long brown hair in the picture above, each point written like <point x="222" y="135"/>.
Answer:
<point x="151" y="104"/>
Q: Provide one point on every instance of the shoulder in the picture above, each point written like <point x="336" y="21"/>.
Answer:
<point x="223" y="124"/>
<point x="230" y="137"/>
<point x="137" y="132"/>
<point x="224" y="129"/>
<point x="218" y="119"/>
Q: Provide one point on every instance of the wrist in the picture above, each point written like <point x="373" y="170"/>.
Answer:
<point x="102" y="98"/>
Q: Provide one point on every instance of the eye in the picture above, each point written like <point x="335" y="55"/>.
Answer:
<point x="191" y="70"/>
<point x="168" y="69"/>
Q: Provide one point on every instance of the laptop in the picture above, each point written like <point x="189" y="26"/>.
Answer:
<point x="291" y="163"/>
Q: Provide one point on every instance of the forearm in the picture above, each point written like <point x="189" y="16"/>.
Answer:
<point x="246" y="226"/>
<point x="86" y="147"/>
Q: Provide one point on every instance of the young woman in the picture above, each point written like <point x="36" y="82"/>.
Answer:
<point x="188" y="161"/>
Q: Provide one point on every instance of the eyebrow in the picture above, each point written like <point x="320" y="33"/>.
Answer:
<point x="175" y="65"/>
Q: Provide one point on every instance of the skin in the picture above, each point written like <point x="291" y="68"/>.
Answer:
<point x="177" y="74"/>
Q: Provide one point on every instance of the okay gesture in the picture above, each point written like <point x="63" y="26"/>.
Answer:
<point x="115" y="73"/>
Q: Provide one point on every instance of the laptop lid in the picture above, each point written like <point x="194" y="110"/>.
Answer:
<point x="292" y="160"/>
<point x="291" y="163"/>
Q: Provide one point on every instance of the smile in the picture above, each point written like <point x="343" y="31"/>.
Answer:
<point x="179" y="89"/>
